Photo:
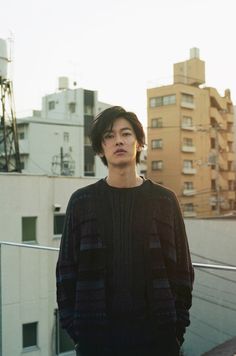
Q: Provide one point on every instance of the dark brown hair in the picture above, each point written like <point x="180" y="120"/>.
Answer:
<point x="105" y="120"/>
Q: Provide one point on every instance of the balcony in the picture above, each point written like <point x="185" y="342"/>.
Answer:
<point x="230" y="118"/>
<point x="230" y="136"/>
<point x="189" y="192"/>
<point x="190" y="170"/>
<point x="231" y="195"/>
<point x="230" y="156"/>
<point x="187" y="105"/>
<point x="190" y="214"/>
<point x="214" y="113"/>
<point x="187" y="127"/>
<point x="187" y="148"/>
<point x="229" y="175"/>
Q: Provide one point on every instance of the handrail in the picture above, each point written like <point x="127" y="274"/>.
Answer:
<point x="39" y="247"/>
<point x="35" y="246"/>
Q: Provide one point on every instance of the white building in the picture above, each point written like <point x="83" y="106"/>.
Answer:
<point x="32" y="212"/>
<point x="55" y="140"/>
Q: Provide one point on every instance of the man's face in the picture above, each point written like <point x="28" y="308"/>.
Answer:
<point x="120" y="144"/>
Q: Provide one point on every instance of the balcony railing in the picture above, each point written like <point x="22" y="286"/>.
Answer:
<point x="188" y="148"/>
<point x="28" y="297"/>
<point x="189" y="170"/>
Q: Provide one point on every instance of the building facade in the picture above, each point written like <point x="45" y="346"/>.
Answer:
<point x="190" y="141"/>
<point x="55" y="140"/>
<point x="36" y="206"/>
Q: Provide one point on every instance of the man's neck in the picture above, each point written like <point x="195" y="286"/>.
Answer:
<point x="123" y="178"/>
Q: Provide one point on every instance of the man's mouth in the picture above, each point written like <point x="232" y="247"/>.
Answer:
<point x="120" y="151"/>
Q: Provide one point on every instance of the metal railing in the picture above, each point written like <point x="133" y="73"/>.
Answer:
<point x="205" y="292"/>
<point x="38" y="247"/>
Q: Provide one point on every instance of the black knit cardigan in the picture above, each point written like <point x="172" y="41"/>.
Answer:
<point x="82" y="263"/>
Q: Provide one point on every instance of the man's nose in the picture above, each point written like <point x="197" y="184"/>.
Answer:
<point x="119" y="140"/>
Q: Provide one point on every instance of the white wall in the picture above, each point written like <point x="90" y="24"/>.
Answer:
<point x="45" y="142"/>
<point x="62" y="100"/>
<point x="28" y="275"/>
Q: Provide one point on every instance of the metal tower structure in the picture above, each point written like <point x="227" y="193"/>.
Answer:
<point x="9" y="144"/>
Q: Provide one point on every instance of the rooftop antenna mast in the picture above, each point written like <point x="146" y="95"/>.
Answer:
<point x="9" y="144"/>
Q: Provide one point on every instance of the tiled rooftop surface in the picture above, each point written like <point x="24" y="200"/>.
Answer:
<point x="228" y="348"/>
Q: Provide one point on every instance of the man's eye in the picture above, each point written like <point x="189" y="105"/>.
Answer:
<point x="107" y="136"/>
<point x="126" y="133"/>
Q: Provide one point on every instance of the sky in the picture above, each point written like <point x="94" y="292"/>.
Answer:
<point x="117" y="47"/>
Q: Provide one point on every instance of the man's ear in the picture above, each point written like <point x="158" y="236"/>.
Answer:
<point x="139" y="148"/>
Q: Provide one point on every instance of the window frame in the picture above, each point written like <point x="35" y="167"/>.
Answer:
<point x="158" y="122"/>
<point x="33" y="346"/>
<point x="155" y="165"/>
<point x="158" y="145"/>
<point x="23" y="218"/>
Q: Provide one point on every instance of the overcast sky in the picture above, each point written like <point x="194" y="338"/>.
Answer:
<point x="117" y="47"/>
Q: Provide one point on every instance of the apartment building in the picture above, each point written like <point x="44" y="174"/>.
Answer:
<point x="55" y="139"/>
<point x="190" y="141"/>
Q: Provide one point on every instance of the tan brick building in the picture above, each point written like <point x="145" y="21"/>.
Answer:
<point x="190" y="141"/>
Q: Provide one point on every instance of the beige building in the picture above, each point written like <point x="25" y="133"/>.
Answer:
<point x="190" y="141"/>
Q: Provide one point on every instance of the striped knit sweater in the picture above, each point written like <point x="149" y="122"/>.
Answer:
<point x="84" y="277"/>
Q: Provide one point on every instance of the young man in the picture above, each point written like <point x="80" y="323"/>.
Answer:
<point x="124" y="273"/>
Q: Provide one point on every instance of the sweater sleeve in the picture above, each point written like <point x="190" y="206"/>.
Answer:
<point x="66" y="269"/>
<point x="184" y="274"/>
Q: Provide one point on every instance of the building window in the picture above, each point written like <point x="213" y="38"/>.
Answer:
<point x="87" y="140"/>
<point x="162" y="100"/>
<point x="187" y="98"/>
<point x="66" y="136"/>
<point x="188" y="207"/>
<point x="188" y="142"/>
<point x="58" y="225"/>
<point x="157" y="165"/>
<point x="51" y="105"/>
<point x="187" y="121"/>
<point x="168" y="99"/>
<point x="22" y="164"/>
<point x="157" y="122"/>
<point x="29" y="228"/>
<point x="72" y="108"/>
<point x="21" y="135"/>
<point x="88" y="110"/>
<point x="188" y="164"/>
<point x="213" y="185"/>
<point x="29" y="335"/>
<point x="188" y="185"/>
<point x="213" y="143"/>
<point x="89" y="169"/>
<point x="155" y="144"/>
